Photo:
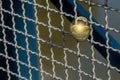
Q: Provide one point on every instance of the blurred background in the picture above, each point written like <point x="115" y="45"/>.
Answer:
<point x="71" y="43"/>
<point x="45" y="49"/>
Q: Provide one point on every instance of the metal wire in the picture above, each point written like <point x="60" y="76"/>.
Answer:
<point x="78" y="45"/>
<point x="15" y="40"/>
<point x="100" y="5"/>
<point x="63" y="39"/>
<point x="5" y="45"/>
<point x="107" y="40"/>
<point x="40" y="40"/>
<point x="92" y="46"/>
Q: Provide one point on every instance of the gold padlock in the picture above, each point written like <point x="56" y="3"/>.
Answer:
<point x="80" y="29"/>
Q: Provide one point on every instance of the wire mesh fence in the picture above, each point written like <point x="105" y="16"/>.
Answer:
<point x="36" y="42"/>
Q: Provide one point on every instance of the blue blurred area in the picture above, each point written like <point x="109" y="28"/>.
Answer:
<point x="19" y="24"/>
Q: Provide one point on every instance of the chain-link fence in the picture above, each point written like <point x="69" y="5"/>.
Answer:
<point x="36" y="42"/>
